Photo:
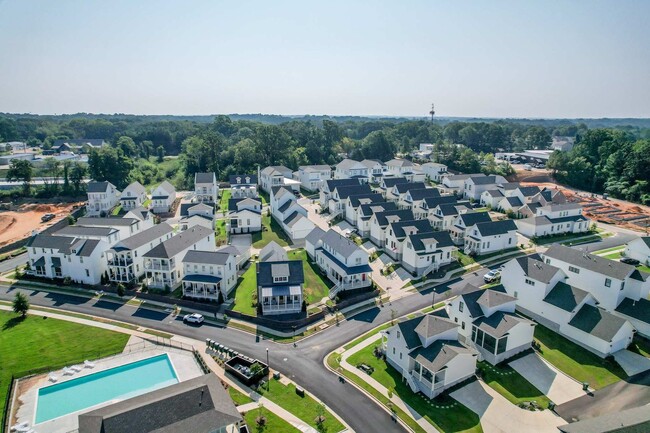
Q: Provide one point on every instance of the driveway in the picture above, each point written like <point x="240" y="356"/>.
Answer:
<point x="554" y="384"/>
<point x="631" y="362"/>
<point x="498" y="415"/>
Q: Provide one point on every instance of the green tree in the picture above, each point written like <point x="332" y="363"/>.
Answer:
<point x="77" y="173"/>
<point x="160" y="151"/>
<point x="20" y="304"/>
<point x="20" y="170"/>
<point x="110" y="164"/>
<point x="127" y="145"/>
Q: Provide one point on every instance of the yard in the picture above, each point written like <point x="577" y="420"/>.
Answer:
<point x="615" y="253"/>
<point x="575" y="361"/>
<point x="458" y="418"/>
<point x="274" y="423"/>
<point x="316" y="286"/>
<point x="223" y="201"/>
<point x="244" y="291"/>
<point x="221" y="237"/>
<point x="39" y="344"/>
<point x="510" y="384"/>
<point x="305" y="408"/>
<point x="238" y="397"/>
<point x="271" y="231"/>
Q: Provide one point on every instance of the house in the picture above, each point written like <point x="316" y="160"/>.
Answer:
<point x="563" y="144"/>
<point x="443" y="216"/>
<point x="163" y="263"/>
<point x="273" y="252"/>
<point x="205" y="188"/>
<point x="429" y="204"/>
<point x="434" y="171"/>
<point x="243" y="186"/>
<point x="554" y="219"/>
<point x="173" y="408"/>
<point x="354" y="202"/>
<point x="426" y="352"/>
<point x="125" y="258"/>
<point x="131" y="223"/>
<point x="491" y="198"/>
<point x="292" y="217"/>
<point x="376" y="170"/>
<point x="311" y="177"/>
<point x="455" y="183"/>
<point x="163" y="197"/>
<point x="401" y="188"/>
<point x="197" y="214"/>
<point x="463" y="221"/>
<point x="244" y="215"/>
<point x="490" y="236"/>
<point x="406" y="169"/>
<point x="396" y="234"/>
<point x="328" y="187"/>
<point x="509" y="204"/>
<point x="281" y="200"/>
<point x="78" y="145"/>
<point x="413" y="198"/>
<point x="426" y="252"/>
<point x="297" y="225"/>
<point x="351" y="169"/>
<point x="379" y="221"/>
<point x="388" y="182"/>
<point x="340" y="194"/>
<point x="208" y="274"/>
<point x="489" y="323"/>
<point x="639" y="249"/>
<point x="344" y="263"/>
<point x="280" y="287"/>
<point x="242" y="253"/>
<point x="365" y="213"/>
<point x="528" y="210"/>
<point x="102" y="197"/>
<point x="277" y="175"/>
<point x="133" y="196"/>
<point x="474" y="186"/>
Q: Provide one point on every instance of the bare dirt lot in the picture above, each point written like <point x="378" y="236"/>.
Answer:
<point x="18" y="224"/>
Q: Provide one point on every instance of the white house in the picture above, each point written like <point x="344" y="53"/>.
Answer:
<point x="443" y="216"/>
<point x="327" y="188"/>
<point x="197" y="214"/>
<point x="208" y="273"/>
<point x="413" y="198"/>
<point x="426" y="252"/>
<point x="351" y="169"/>
<point x="163" y="197"/>
<point x="426" y="352"/>
<point x="206" y="189"/>
<point x="396" y="234"/>
<point x="244" y="215"/>
<point x="490" y="236"/>
<point x="243" y="186"/>
<point x="405" y="168"/>
<point x="376" y="170"/>
<point x="102" y="197"/>
<point x="554" y="219"/>
<point x="277" y="175"/>
<point x="354" y="202"/>
<point x="344" y="263"/>
<point x="509" y="204"/>
<point x="297" y="226"/>
<point x="311" y="177"/>
<point x="491" y="198"/>
<point x="428" y="205"/>
<point x="134" y="221"/>
<point x="434" y="171"/>
<point x="133" y="196"/>
<point x="126" y="258"/>
<point x="292" y="217"/>
<point x="365" y="213"/>
<point x="639" y="249"/>
<point x="455" y="183"/>
<point x="163" y="263"/>
<point x="280" y="287"/>
<point x="399" y="189"/>
<point x="463" y="221"/>
<point x="340" y="194"/>
<point x="487" y="318"/>
<point x="474" y="186"/>
<point x="379" y="222"/>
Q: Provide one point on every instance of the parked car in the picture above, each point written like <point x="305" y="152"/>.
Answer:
<point x="47" y="217"/>
<point x="629" y="261"/>
<point x="193" y="318"/>
<point x="528" y="167"/>
<point x="492" y="276"/>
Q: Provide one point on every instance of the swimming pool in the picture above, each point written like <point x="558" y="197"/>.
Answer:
<point x="125" y="381"/>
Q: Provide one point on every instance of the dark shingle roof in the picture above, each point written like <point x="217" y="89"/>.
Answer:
<point x="204" y="177"/>
<point x="180" y="242"/>
<point x="514" y="201"/>
<point x="265" y="273"/>
<point x="252" y="179"/>
<point x="470" y="296"/>
<point x="438" y="354"/>
<point x="332" y="184"/>
<point x="493" y="228"/>
<point x="97" y="186"/>
<point x="529" y="191"/>
<point x="421" y="226"/>
<point x="390" y="182"/>
<point x="106" y="222"/>
<point x="78" y="230"/>
<point x="536" y="269"/>
<point x="207" y="257"/>
<point x="402" y="214"/>
<point x="471" y="218"/>
<point x="565" y="297"/>
<point x="483" y="180"/>
<point x="421" y="194"/>
<point x="409" y="186"/>
<point x="357" y="200"/>
<point x="340" y="244"/>
<point x="639" y="310"/>
<point x="597" y="322"/>
<point x="369" y="209"/>
<point x="441" y="239"/>
<point x="432" y="202"/>
<point x="499" y="323"/>
<point x="144" y="237"/>
<point x="591" y="262"/>
<point x="347" y="190"/>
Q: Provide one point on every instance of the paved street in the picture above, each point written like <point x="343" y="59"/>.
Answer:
<point x="10" y="264"/>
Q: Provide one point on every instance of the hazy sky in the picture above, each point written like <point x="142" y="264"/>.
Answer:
<point x="546" y="58"/>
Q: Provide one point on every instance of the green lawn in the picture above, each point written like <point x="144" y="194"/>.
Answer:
<point x="575" y="361"/>
<point x="613" y="256"/>
<point x="510" y="384"/>
<point x="37" y="344"/>
<point x="271" y="231"/>
<point x="609" y="250"/>
<point x="238" y="397"/>
<point x="274" y="424"/>
<point x="316" y="285"/>
<point x="243" y="293"/>
<point x="458" y="418"/>
<point x="117" y="210"/>
<point x="468" y="260"/>
<point x="641" y="346"/>
<point x="146" y="203"/>
<point x="221" y="237"/>
<point x="568" y="238"/>
<point x="264" y="196"/>
<point x="223" y="201"/>
<point x="305" y="408"/>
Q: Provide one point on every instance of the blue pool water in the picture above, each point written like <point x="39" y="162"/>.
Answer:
<point x="121" y="382"/>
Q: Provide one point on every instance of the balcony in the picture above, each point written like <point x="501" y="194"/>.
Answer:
<point x="153" y="266"/>
<point x="123" y="262"/>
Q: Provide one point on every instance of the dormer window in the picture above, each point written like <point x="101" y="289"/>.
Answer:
<point x="280" y="279"/>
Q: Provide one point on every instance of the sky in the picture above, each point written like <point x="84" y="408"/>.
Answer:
<point x="492" y="58"/>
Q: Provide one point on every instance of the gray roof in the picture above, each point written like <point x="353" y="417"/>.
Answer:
<point x="252" y="179"/>
<point x="389" y="182"/>
<point x="273" y="252"/>
<point x="276" y="170"/>
<point x="432" y="202"/>
<point x="529" y="191"/>
<point x="493" y="193"/>
<point x="514" y="201"/>
<point x="555" y="207"/>
<point x="438" y="354"/>
<point x="441" y="239"/>
<point x="369" y="198"/>
<point x="141" y="213"/>
<point x="106" y="222"/>
<point x="471" y="218"/>
<point x="597" y="322"/>
<point x="333" y="183"/>
<point x="135" y="187"/>
<point x="346" y="164"/>
<point x="536" y="269"/>
<point x="347" y="190"/>
<point x="499" y="323"/>
<point x="167" y="187"/>
<point x="400" y="162"/>
<point x="280" y="190"/>
<point x="309" y="168"/>
<point x="457" y="177"/>
<point x="199" y="405"/>
<point x="371" y="163"/>
<point x="483" y="180"/>
<point x="180" y="242"/>
<point x="470" y="296"/>
<point x="493" y="228"/>
<point x="639" y="310"/>
<point x="207" y="257"/>
<point x="294" y="218"/>
<point x="369" y="209"/>
<point x="94" y="142"/>
<point x="204" y="177"/>
<point x="401" y="188"/>
<point x="340" y="244"/>
<point x="565" y="297"/>
<point x="315" y="235"/>
<point x="422" y="193"/>
<point x="265" y="272"/>
<point x="636" y="420"/>
<point x="493" y="298"/>
<point x="78" y="230"/>
<point x="65" y="244"/>
<point x="144" y="237"/>
<point x="401" y="214"/>
<point x="431" y="325"/>
<point x="591" y="262"/>
<point x="234" y="202"/>
<point x="542" y="220"/>
<point x="420" y="226"/>
<point x="450" y="208"/>
<point x="98" y="186"/>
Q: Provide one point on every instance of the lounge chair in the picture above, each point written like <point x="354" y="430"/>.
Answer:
<point x="23" y="426"/>
<point x="76" y="368"/>
<point x="52" y="377"/>
<point x="67" y="371"/>
<point x="89" y="364"/>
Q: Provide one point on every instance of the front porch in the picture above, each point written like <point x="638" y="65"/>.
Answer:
<point x="281" y="300"/>
<point x="202" y="287"/>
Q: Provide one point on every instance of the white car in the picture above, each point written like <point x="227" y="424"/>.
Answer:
<point x="193" y="318"/>
<point x="492" y="276"/>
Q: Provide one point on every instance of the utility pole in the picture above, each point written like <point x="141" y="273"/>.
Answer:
<point x="432" y="112"/>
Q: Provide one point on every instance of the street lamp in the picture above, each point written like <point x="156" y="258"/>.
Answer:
<point x="433" y="297"/>
<point x="294" y="335"/>
<point x="268" y="367"/>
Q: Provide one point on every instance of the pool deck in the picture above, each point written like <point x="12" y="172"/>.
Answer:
<point x="136" y="349"/>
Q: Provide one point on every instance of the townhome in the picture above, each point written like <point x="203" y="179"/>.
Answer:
<point x="340" y="194"/>
<point x="396" y="234"/>
<point x="463" y="221"/>
<point x="426" y="352"/>
<point x="282" y="199"/>
<point x="297" y="225"/>
<point x="244" y="215"/>
<point x="490" y="236"/>
<point x="280" y="287"/>
<point x="380" y="220"/>
<point x="474" y="186"/>
<point x="243" y="186"/>
<point x="554" y="219"/>
<point x="206" y="189"/>
<point x="125" y="258"/>
<point x="163" y="263"/>
<point x="528" y="210"/>
<point x="277" y="175"/>
<point x="429" y="204"/>
<point x="197" y="214"/>
<point x="163" y="197"/>
<point x="328" y="187"/>
<point x="413" y="198"/>
<point x="292" y="217"/>
<point x="455" y="183"/>
<point x="376" y="170"/>
<point x="102" y="197"/>
<point x="548" y="196"/>
<point x="365" y="213"/>
<point x="354" y="202"/>
<point x="344" y="263"/>
<point x="509" y="204"/>
<point x="399" y="189"/>
<point x="311" y="177"/>
<point x="108" y="235"/>
<point x="406" y="169"/>
<point x="131" y="223"/>
<point x="491" y="198"/>
<point x="208" y="274"/>
<point x="639" y="249"/>
<point x="388" y="182"/>
<point x="489" y="323"/>
<point x="434" y="171"/>
<point x="133" y="196"/>
<point x="351" y="169"/>
<point x="443" y="216"/>
<point x="427" y="252"/>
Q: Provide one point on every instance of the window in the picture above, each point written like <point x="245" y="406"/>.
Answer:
<point x="393" y="351"/>
<point x="400" y="355"/>
<point x="516" y="294"/>
<point x="461" y="306"/>
<point x="87" y="273"/>
<point x="462" y="325"/>
<point x="530" y="282"/>
<point x="608" y="282"/>
<point x="398" y="334"/>
<point x="574" y="270"/>
<point x="81" y="260"/>
<point x="510" y="241"/>
<point x="548" y="261"/>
